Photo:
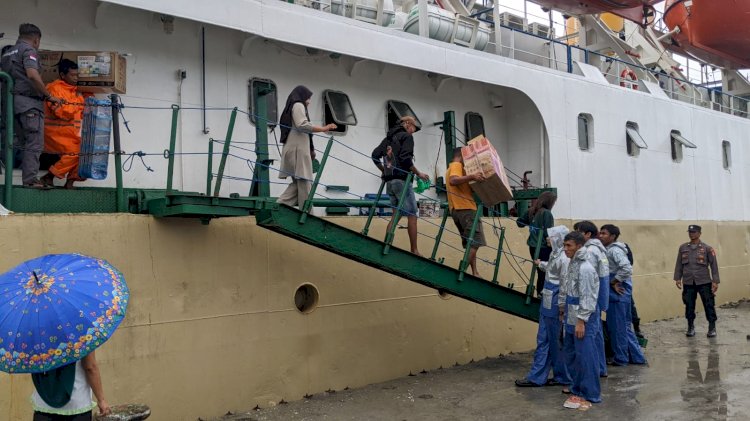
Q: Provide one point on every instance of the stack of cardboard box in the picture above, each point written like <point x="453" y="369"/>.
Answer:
<point x="480" y="157"/>
<point x="98" y="72"/>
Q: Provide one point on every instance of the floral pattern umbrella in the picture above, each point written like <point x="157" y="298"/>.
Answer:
<point x="56" y="309"/>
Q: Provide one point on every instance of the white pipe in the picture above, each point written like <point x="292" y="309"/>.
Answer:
<point x="674" y="31"/>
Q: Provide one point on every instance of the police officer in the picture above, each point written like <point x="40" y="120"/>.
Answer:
<point x="692" y="275"/>
<point x="29" y="93"/>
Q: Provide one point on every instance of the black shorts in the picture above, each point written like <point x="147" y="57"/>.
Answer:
<point x="464" y="219"/>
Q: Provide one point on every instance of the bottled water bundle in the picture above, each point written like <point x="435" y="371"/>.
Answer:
<point x="96" y="129"/>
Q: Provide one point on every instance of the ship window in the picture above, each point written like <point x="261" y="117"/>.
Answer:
<point x="678" y="142"/>
<point x="272" y="103"/>
<point x="474" y="125"/>
<point x="338" y="110"/>
<point x="585" y="131"/>
<point x="397" y="109"/>
<point x="634" y="141"/>
<point x="726" y="154"/>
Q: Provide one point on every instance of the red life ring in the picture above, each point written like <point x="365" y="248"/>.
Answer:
<point x="629" y="79"/>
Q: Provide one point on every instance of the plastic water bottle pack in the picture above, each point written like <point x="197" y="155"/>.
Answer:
<point x="96" y="130"/>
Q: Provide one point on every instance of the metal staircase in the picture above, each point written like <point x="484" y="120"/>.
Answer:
<point x="369" y="251"/>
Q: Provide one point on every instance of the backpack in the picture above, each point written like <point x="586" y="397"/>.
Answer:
<point x="390" y="164"/>
<point x="629" y="253"/>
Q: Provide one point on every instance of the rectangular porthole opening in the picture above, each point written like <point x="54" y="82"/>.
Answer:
<point x="678" y="143"/>
<point x="474" y="125"/>
<point x="394" y="110"/>
<point x="726" y="154"/>
<point x="633" y="140"/>
<point x="272" y="106"/>
<point x="585" y="131"/>
<point x="338" y="110"/>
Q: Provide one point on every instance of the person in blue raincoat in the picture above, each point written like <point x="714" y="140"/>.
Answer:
<point x="597" y="256"/>
<point x="548" y="355"/>
<point x="624" y="343"/>
<point x="577" y="301"/>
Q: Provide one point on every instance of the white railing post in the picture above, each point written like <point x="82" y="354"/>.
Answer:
<point x="424" y="18"/>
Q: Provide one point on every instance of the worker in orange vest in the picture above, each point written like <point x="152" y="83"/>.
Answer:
<point x="62" y="125"/>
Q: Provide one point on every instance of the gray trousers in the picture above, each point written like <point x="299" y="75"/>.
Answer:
<point x="296" y="193"/>
<point x="29" y="126"/>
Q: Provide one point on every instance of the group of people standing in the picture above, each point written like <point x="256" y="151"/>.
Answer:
<point x="47" y="118"/>
<point x="586" y="273"/>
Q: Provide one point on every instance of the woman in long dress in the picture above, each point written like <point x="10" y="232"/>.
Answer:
<point x="298" y="152"/>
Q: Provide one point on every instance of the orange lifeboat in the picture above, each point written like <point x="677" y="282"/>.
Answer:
<point x="629" y="9"/>
<point x="713" y="31"/>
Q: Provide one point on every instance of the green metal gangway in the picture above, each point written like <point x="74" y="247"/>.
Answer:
<point x="295" y="223"/>
<point x="369" y="251"/>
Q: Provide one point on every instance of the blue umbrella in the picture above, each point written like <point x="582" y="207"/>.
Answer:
<point x="56" y="309"/>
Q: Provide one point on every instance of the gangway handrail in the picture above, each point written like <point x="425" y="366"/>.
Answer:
<point x="8" y="139"/>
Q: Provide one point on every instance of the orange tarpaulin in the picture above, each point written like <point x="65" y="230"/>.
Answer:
<point x="62" y="128"/>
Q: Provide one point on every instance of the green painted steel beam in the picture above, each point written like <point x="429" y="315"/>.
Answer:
<point x="353" y="245"/>
<point x="161" y="209"/>
<point x="337" y="188"/>
<point x="531" y="193"/>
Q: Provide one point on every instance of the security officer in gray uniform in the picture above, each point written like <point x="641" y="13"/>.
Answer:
<point x="29" y="93"/>
<point x="697" y="273"/>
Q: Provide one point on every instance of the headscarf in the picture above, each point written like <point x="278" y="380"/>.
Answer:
<point x="299" y="94"/>
<point x="556" y="236"/>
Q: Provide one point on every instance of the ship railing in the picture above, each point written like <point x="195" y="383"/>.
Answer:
<point x="561" y="56"/>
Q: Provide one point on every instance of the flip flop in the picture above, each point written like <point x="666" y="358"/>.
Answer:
<point x="526" y="383"/>
<point x="566" y="390"/>
<point x="573" y="402"/>
<point x="552" y="382"/>
<point x="584" y="406"/>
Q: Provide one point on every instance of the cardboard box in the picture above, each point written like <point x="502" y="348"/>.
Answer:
<point x="480" y="157"/>
<point x="428" y="208"/>
<point x="98" y="71"/>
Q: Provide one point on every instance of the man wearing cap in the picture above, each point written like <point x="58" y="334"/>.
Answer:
<point x="692" y="275"/>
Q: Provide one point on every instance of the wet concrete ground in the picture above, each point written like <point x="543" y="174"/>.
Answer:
<point x="686" y="379"/>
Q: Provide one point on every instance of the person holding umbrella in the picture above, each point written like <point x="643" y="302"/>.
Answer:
<point x="55" y="310"/>
<point x="73" y="382"/>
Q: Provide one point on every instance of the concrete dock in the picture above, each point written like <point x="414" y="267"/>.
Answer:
<point x="686" y="379"/>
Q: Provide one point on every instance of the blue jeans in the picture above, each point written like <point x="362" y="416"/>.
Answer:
<point x="394" y="189"/>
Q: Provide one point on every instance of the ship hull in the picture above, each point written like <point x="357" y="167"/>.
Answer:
<point x="213" y="325"/>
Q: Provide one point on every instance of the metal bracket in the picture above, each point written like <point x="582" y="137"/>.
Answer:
<point x="247" y="43"/>
<point x="101" y="9"/>
<point x="437" y="81"/>
<point x="352" y="64"/>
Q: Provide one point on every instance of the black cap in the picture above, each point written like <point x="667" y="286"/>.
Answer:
<point x="694" y="228"/>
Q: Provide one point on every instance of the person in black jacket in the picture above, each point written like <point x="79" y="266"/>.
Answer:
<point x="539" y="217"/>
<point x="394" y="157"/>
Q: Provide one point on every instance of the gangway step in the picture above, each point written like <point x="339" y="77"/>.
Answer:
<point x="369" y="251"/>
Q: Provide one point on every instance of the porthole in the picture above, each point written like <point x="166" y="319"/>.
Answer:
<point x="306" y="298"/>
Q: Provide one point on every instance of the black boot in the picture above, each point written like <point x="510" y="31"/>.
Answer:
<point x="690" y="330"/>
<point x="711" y="330"/>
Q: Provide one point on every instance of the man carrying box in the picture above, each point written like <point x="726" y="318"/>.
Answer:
<point x="462" y="206"/>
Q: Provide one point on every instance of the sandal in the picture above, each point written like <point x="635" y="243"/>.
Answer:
<point x="585" y="405"/>
<point x="566" y="390"/>
<point x="37" y="185"/>
<point x="526" y="383"/>
<point x="573" y="402"/>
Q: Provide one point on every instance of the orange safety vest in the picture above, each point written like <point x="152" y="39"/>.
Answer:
<point x="62" y="123"/>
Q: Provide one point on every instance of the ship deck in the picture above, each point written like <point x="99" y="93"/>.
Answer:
<point x="686" y="379"/>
